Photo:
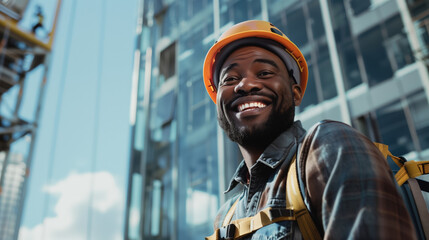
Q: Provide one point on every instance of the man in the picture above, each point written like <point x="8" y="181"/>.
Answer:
<point x="256" y="76"/>
<point x="40" y="19"/>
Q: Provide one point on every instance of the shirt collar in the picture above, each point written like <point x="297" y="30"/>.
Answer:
<point x="283" y="147"/>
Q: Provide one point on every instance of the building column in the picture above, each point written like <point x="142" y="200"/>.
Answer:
<point x="332" y="46"/>
<point x="410" y="29"/>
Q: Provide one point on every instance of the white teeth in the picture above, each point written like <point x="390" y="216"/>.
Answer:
<point x="245" y="106"/>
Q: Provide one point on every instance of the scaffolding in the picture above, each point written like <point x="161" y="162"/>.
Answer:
<point x="21" y="52"/>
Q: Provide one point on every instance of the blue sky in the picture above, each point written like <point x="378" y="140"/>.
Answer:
<point x="82" y="151"/>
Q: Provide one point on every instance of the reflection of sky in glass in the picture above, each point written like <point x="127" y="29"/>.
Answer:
<point x="199" y="207"/>
<point x="156" y="208"/>
<point x="135" y="207"/>
<point x="80" y="44"/>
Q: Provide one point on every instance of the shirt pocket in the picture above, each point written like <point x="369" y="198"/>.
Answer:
<point x="275" y="231"/>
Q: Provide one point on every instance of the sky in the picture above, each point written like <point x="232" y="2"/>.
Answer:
<point x="78" y="175"/>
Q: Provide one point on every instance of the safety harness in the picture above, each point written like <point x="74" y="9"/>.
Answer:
<point x="297" y="211"/>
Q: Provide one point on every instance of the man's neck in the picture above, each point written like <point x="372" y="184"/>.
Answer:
<point x="251" y="155"/>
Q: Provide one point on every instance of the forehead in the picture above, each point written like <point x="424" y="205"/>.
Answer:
<point x="251" y="53"/>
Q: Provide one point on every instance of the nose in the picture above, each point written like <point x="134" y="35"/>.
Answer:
<point x="247" y="85"/>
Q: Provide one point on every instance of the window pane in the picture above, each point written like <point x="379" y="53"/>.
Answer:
<point x="295" y="28"/>
<point x="397" y="43"/>
<point x="310" y="96"/>
<point x="135" y="207"/>
<point x="350" y="66"/>
<point x="327" y="79"/>
<point x="198" y="201"/>
<point x="340" y="23"/>
<point x="198" y="116"/>
<point x="156" y="208"/>
<point x="255" y="8"/>
<point x="359" y="6"/>
<point x="394" y="130"/>
<point x="164" y="109"/>
<point x="279" y="21"/>
<point x="374" y="55"/>
<point x="198" y="92"/>
<point x="225" y="13"/>
<point x="168" y="21"/>
<point x="316" y="18"/>
<point x="419" y="108"/>
<point x="167" y="64"/>
<point x="240" y="11"/>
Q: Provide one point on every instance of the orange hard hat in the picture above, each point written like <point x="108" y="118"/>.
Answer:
<point x="252" y="31"/>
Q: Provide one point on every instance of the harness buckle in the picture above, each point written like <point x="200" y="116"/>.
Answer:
<point x="424" y="167"/>
<point x="227" y="232"/>
<point x="280" y="212"/>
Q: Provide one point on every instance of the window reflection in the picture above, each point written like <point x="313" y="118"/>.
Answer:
<point x="419" y="109"/>
<point x="238" y="10"/>
<point x="374" y="55"/>
<point x="156" y="208"/>
<point x="394" y="129"/>
<point x="198" y="181"/>
<point x="349" y="65"/>
<point x="397" y="42"/>
<point x="189" y="8"/>
<point x="340" y="23"/>
<point x="310" y="97"/>
<point x="198" y="205"/>
<point x="294" y="29"/>
<point x="199" y="105"/>
<point x="135" y="207"/>
<point x="167" y="64"/>
<point x="359" y="6"/>
<point x="327" y="79"/>
<point x="168" y="17"/>
<point x="316" y="19"/>
<point x="162" y="117"/>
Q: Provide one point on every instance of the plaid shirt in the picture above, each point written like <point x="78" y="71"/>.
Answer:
<point x="349" y="188"/>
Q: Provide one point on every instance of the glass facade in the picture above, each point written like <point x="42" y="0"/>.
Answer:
<point x="181" y="162"/>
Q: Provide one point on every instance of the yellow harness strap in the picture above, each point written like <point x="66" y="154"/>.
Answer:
<point x="244" y="226"/>
<point x="230" y="213"/>
<point x="295" y="210"/>
<point x="295" y="201"/>
<point x="408" y="169"/>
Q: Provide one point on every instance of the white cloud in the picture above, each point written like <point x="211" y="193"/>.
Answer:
<point x="71" y="209"/>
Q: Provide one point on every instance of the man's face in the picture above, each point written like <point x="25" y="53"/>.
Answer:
<point x="255" y="98"/>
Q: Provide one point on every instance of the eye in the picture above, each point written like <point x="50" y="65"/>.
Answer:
<point x="265" y="74"/>
<point x="228" y="80"/>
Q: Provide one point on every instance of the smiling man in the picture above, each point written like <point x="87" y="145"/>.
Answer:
<point x="255" y="91"/>
<point x="257" y="76"/>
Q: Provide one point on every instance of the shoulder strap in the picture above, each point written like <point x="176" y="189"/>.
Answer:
<point x="295" y="201"/>
<point x="230" y="213"/>
<point x="295" y="211"/>
<point x="244" y="226"/>
<point x="407" y="169"/>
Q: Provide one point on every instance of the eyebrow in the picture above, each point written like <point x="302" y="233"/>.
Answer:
<point x="225" y="70"/>
<point x="263" y="60"/>
<point x="259" y="60"/>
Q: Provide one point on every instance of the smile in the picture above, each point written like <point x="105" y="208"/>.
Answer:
<point x="251" y="105"/>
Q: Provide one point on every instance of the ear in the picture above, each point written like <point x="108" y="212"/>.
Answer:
<point x="297" y="94"/>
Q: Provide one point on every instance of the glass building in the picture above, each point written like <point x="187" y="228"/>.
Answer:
<point x="367" y="67"/>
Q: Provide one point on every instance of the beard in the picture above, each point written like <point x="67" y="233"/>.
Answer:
<point x="277" y="123"/>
